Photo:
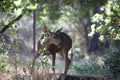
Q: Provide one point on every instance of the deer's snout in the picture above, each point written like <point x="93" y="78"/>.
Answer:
<point x="59" y="44"/>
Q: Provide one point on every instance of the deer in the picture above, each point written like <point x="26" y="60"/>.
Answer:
<point x="56" y="43"/>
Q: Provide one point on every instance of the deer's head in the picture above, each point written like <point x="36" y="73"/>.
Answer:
<point x="51" y="38"/>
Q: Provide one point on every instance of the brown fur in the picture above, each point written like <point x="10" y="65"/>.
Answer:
<point x="57" y="42"/>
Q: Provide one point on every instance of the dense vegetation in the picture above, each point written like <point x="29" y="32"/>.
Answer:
<point x="94" y="27"/>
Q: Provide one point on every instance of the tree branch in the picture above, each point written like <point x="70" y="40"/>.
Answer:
<point x="10" y="23"/>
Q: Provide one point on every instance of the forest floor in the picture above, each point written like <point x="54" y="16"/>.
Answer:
<point x="20" y="70"/>
<point x="44" y="73"/>
<point x="9" y="76"/>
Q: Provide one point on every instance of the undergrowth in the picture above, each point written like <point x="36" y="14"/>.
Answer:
<point x="89" y="69"/>
<point x="93" y="66"/>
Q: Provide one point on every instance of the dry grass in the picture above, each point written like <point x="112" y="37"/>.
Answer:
<point x="21" y="71"/>
<point x="42" y="73"/>
<point x="5" y="75"/>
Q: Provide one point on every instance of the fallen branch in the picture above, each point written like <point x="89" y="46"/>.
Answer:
<point x="10" y="23"/>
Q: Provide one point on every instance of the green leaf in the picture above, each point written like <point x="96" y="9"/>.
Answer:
<point x="32" y="6"/>
<point x="101" y="38"/>
<point x="93" y="27"/>
<point x="17" y="2"/>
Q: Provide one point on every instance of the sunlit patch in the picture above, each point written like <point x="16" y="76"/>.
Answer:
<point x="100" y="61"/>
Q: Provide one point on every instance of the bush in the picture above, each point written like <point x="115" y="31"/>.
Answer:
<point x="3" y="61"/>
<point x="91" y="66"/>
<point x="112" y="59"/>
<point x="112" y="62"/>
<point x="3" y="54"/>
<point x="89" y="69"/>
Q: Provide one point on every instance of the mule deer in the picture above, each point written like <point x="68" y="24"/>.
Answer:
<point x="56" y="42"/>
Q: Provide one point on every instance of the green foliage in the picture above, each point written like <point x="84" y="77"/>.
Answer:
<point x="3" y="55"/>
<point x="42" y="61"/>
<point x="112" y="61"/>
<point x="6" y="5"/>
<point x="10" y="9"/>
<point x="89" y="69"/>
<point x="3" y="61"/>
<point x="107" y="23"/>
<point x="94" y="66"/>
<point x="92" y="3"/>
<point x="54" y="11"/>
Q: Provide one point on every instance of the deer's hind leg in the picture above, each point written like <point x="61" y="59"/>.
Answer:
<point x="64" y="55"/>
<point x="67" y="61"/>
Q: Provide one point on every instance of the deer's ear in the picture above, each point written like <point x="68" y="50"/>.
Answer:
<point x="46" y="29"/>
<point x="59" y="30"/>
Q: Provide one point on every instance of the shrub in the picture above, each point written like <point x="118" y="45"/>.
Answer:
<point x="91" y="66"/>
<point x="3" y="61"/>
<point x="112" y="62"/>
<point x="89" y="69"/>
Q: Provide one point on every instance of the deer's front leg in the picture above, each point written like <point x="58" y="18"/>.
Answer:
<point x="53" y="62"/>
<point x="39" y="49"/>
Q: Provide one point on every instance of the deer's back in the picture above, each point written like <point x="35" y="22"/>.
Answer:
<point x="65" y="39"/>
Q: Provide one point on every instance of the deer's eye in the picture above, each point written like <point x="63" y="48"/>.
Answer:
<point x="47" y="35"/>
